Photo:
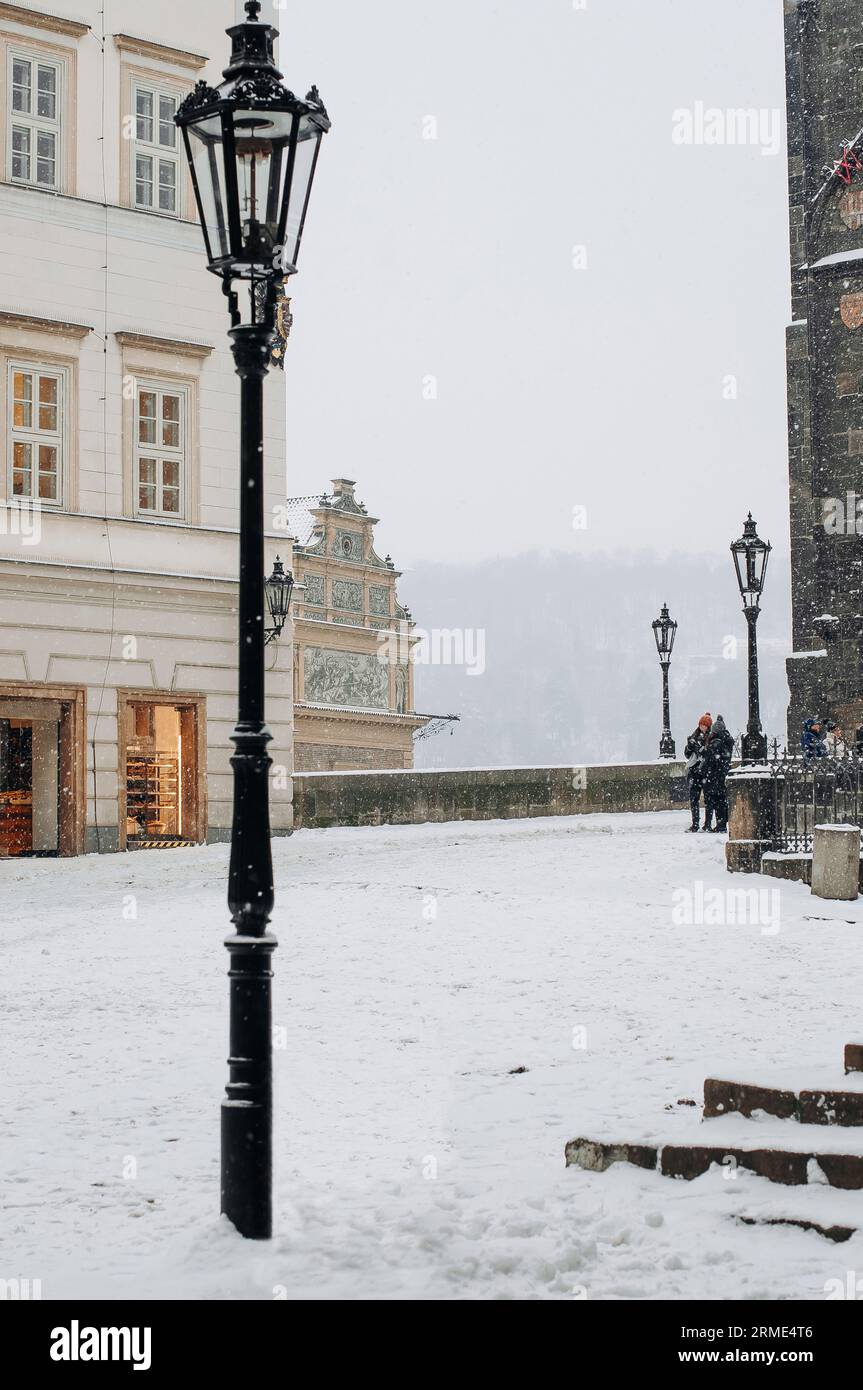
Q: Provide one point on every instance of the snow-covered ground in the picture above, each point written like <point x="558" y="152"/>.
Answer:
<point x="417" y="969"/>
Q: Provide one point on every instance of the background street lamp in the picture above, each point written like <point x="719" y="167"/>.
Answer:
<point x="280" y="587"/>
<point x="252" y="148"/>
<point x="665" y="631"/>
<point x="750" y="564"/>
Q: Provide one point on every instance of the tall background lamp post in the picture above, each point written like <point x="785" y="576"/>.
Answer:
<point x="252" y="148"/>
<point x="665" y="631"/>
<point x="750" y="555"/>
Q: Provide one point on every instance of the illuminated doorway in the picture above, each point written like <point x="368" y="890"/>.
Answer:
<point x="163" y="801"/>
<point x="40" y="776"/>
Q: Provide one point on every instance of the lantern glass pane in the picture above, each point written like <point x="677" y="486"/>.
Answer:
<point x="751" y="579"/>
<point x="740" y="569"/>
<point x="298" y="193"/>
<point x="253" y="177"/>
<point x="262" y="143"/>
<point x="208" y="164"/>
<point x="273" y="600"/>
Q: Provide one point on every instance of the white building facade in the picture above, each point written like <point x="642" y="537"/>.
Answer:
<point x="120" y="445"/>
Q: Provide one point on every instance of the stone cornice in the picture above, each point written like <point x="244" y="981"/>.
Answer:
<point x="40" y="19"/>
<point x="405" y="632"/>
<point x="343" y="513"/>
<point x="160" y="52"/>
<point x="174" y="345"/>
<point x="58" y="326"/>
<point x="369" y="567"/>
<point x="348" y="715"/>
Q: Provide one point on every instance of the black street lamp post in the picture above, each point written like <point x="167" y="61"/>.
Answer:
<point x="750" y="565"/>
<point x="252" y="148"/>
<point x="665" y="631"/>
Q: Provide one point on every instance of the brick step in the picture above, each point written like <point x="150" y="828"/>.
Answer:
<point x="790" y="1167"/>
<point x="854" y="1057"/>
<point x="809" y="1107"/>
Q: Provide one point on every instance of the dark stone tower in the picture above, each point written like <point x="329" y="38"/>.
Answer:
<point x="824" y="84"/>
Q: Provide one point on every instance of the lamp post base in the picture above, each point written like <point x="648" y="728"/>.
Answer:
<point x="666" y="747"/>
<point x="753" y="748"/>
<point x="247" y="1112"/>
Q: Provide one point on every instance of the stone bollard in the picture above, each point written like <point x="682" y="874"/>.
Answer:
<point x="836" y="861"/>
<point x="751" y="818"/>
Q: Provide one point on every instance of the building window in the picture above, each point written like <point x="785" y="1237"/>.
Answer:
<point x="36" y="435"/>
<point x="34" y="120"/>
<point x="160" y="449"/>
<point x="155" y="166"/>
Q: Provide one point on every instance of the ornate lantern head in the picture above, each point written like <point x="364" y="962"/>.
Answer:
<point x="280" y="587"/>
<point x="750" y="564"/>
<point x="664" y="631"/>
<point x="252" y="148"/>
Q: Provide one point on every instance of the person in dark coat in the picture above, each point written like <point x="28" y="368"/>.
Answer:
<point x="812" y="740"/>
<point x="718" y="752"/>
<point x="694" y="752"/>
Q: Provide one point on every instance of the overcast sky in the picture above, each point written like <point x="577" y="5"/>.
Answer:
<point x="447" y="265"/>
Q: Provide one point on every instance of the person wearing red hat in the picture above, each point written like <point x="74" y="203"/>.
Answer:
<point x="694" y="753"/>
<point x="717" y="764"/>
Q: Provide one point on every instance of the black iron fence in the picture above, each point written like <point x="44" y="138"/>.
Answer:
<point x="814" y="791"/>
<point x="775" y="747"/>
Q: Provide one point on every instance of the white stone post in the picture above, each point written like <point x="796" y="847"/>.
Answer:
<point x="836" y="861"/>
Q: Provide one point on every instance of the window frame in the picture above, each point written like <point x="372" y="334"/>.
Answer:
<point x="58" y="438"/>
<point x="162" y="453"/>
<point x="36" y="57"/>
<point x="151" y="149"/>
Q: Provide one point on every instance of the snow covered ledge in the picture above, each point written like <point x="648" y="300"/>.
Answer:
<point x="751" y="818"/>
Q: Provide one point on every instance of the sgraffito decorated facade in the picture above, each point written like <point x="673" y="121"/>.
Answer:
<point x="353" y="676"/>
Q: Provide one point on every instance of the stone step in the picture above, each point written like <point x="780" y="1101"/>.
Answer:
<point x="808" y="1107"/>
<point x="790" y="1167"/>
<point x="854" y="1057"/>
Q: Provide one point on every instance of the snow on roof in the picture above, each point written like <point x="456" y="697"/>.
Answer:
<point x="301" y="523"/>
<point x="839" y="258"/>
<point x="361" y="709"/>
